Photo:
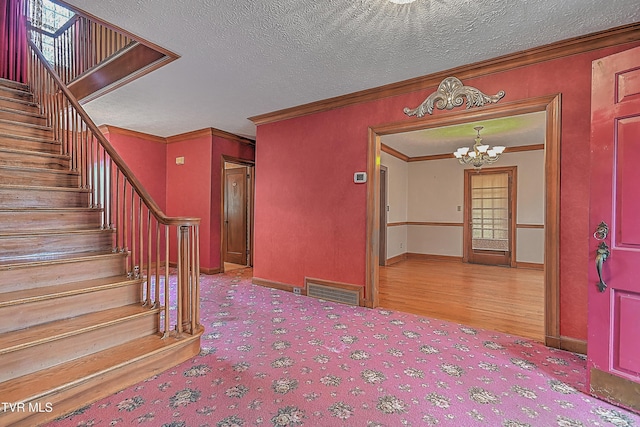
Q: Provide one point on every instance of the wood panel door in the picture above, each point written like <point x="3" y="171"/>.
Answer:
<point x="235" y="215"/>
<point x="614" y="287"/>
<point x="489" y="217"/>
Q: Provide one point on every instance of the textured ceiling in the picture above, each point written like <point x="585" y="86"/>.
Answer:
<point x="243" y="58"/>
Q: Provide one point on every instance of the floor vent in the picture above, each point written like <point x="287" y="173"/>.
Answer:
<point x="333" y="291"/>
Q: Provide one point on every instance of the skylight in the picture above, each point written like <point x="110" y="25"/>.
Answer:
<point x="49" y="16"/>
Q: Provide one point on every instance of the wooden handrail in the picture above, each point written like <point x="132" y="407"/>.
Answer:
<point x="140" y="228"/>
<point x="120" y="163"/>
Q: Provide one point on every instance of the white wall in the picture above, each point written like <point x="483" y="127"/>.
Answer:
<point x="397" y="190"/>
<point x="434" y="191"/>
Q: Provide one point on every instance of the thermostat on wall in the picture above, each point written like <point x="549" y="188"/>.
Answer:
<point x="360" y="177"/>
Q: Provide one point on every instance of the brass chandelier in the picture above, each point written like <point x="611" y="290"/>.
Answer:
<point x="480" y="154"/>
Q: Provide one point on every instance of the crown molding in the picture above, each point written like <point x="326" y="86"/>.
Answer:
<point x="127" y="132"/>
<point x="397" y="154"/>
<point x="206" y="132"/>
<point x="577" y="45"/>
<point x="209" y="132"/>
<point x="393" y="152"/>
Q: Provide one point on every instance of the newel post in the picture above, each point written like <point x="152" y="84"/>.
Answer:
<point x="184" y="288"/>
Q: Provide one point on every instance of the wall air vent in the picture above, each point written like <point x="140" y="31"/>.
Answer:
<point x="333" y="291"/>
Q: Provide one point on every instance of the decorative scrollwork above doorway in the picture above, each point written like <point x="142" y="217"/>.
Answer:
<point x="451" y="93"/>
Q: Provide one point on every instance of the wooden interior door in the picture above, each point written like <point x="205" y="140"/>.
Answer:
<point x="489" y="216"/>
<point x="235" y="215"/>
<point x="613" y="358"/>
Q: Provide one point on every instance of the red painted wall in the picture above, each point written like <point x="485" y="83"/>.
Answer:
<point x="188" y="188"/>
<point x="193" y="189"/>
<point x="147" y="161"/>
<point x="311" y="218"/>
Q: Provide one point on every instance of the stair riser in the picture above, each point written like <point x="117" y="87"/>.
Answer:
<point x="35" y="160"/>
<point x="15" y="128"/>
<point x="23" y="118"/>
<point x="36" y="313"/>
<point x="30" y="221"/>
<point x="57" y="273"/>
<point x="40" y="246"/>
<point x="19" y="198"/>
<point x="41" y="146"/>
<point x="13" y="84"/>
<point x="30" y="359"/>
<point x="18" y="105"/>
<point x="101" y="386"/>
<point x="15" y="93"/>
<point x="36" y="177"/>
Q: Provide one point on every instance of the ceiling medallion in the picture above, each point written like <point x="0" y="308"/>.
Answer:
<point x="451" y="93"/>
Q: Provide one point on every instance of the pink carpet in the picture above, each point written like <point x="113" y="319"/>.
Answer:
<point x="271" y="358"/>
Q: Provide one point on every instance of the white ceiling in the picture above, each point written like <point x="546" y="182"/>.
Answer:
<point x="241" y="58"/>
<point x="524" y="129"/>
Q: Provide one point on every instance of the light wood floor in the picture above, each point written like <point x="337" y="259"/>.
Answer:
<point x="229" y="266"/>
<point x="502" y="299"/>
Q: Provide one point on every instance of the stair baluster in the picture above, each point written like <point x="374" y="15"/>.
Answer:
<point x="119" y="193"/>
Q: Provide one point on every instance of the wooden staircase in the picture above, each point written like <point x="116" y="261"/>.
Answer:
<point x="73" y="326"/>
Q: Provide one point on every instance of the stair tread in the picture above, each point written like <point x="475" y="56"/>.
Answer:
<point x="18" y="101"/>
<point x="53" y="232"/>
<point x="16" y="89"/>
<point x="31" y="138"/>
<point x="34" y="169"/>
<point x="72" y="288"/>
<point x="34" y="153"/>
<point x="28" y="125"/>
<point x="35" y="335"/>
<point x="44" y="188"/>
<point x="32" y="114"/>
<point x="46" y="209"/>
<point x="13" y="84"/>
<point x="30" y="387"/>
<point x="55" y="258"/>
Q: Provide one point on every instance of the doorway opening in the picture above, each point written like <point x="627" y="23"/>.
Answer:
<point x="550" y="105"/>
<point x="237" y="191"/>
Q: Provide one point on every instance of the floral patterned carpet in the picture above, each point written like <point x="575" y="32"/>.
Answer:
<point x="271" y="358"/>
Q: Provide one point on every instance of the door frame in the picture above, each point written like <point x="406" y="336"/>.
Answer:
<point x="467" y="239"/>
<point x="383" y="214"/>
<point x="250" y="164"/>
<point x="551" y="104"/>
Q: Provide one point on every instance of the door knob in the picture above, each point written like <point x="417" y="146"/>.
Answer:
<point x="602" y="253"/>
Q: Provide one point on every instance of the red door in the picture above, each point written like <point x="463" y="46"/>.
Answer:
<point x="614" y="279"/>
